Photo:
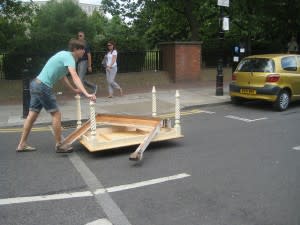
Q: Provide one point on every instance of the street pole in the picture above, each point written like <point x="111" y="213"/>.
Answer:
<point x="219" y="78"/>
<point x="223" y="25"/>
<point x="26" y="87"/>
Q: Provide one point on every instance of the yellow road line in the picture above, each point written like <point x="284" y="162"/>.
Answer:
<point x="19" y="129"/>
<point x="41" y="129"/>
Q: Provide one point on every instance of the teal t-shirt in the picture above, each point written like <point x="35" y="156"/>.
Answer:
<point x="56" y="68"/>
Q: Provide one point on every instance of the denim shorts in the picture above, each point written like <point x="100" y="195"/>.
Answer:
<point x="41" y="96"/>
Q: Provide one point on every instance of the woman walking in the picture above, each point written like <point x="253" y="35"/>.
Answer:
<point x="111" y="69"/>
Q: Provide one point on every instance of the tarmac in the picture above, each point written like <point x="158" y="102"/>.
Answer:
<point x="133" y="102"/>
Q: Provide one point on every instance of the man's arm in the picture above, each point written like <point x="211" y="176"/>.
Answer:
<point x="79" y="84"/>
<point x="69" y="85"/>
<point x="89" y="55"/>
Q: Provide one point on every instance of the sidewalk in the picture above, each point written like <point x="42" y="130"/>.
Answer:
<point x="135" y="102"/>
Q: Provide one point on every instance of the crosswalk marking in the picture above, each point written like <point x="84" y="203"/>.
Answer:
<point x="185" y="113"/>
<point x="9" y="201"/>
<point x="245" y="119"/>
<point x="18" y="200"/>
<point x="141" y="184"/>
<point x="100" y="222"/>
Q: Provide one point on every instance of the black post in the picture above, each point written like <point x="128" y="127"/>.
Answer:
<point x="26" y="87"/>
<point x="219" y="78"/>
<point x="26" y="93"/>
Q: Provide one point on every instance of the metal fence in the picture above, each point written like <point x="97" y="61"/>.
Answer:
<point x="1" y="67"/>
<point x="131" y="61"/>
<point x="12" y="65"/>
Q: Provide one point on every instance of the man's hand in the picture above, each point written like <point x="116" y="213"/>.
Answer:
<point x="92" y="97"/>
<point x="90" y="69"/>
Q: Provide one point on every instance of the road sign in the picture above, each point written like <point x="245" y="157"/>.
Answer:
<point x="225" y="24"/>
<point x="224" y="3"/>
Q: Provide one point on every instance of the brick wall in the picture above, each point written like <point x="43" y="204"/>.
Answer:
<point x="182" y="60"/>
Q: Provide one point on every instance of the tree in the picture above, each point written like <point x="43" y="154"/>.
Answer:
<point x="166" y="19"/>
<point x="56" y="23"/>
<point x="15" y="20"/>
<point x="266" y="24"/>
<point x="260" y="22"/>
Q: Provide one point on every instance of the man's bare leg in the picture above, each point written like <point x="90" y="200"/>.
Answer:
<point x="56" y="125"/>
<point x="31" y="118"/>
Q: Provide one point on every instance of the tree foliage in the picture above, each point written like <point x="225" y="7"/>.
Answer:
<point x="140" y="24"/>
<point x="56" y="23"/>
<point x="260" y="22"/>
<point x="15" y="19"/>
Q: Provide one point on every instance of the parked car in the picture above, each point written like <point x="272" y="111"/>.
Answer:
<point x="271" y="77"/>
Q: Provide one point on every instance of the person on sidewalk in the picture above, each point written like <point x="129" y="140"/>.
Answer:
<point x="293" y="46"/>
<point x="111" y="69"/>
<point x="42" y="96"/>
<point x="84" y="63"/>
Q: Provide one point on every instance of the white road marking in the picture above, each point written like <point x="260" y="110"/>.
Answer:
<point x="245" y="119"/>
<point x="297" y="148"/>
<point x="100" y="222"/>
<point x="110" y="208"/>
<point x="18" y="200"/>
<point x="141" y="184"/>
<point x="8" y="201"/>
<point x="207" y="112"/>
<point x="185" y="113"/>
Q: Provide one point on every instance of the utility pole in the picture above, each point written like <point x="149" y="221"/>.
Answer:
<point x="223" y="26"/>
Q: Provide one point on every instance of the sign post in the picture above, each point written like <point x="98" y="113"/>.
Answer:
<point x="223" y="26"/>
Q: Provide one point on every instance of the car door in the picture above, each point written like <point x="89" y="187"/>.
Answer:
<point x="291" y="73"/>
<point x="297" y="78"/>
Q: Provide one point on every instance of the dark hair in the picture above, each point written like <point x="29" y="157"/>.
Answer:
<point x="112" y="43"/>
<point x="75" y="44"/>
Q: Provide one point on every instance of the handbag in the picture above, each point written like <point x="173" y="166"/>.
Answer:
<point x="103" y="63"/>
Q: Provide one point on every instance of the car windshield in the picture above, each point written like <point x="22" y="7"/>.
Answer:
<point x="256" y="65"/>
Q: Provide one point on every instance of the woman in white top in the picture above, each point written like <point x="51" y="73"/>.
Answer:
<point x="111" y="69"/>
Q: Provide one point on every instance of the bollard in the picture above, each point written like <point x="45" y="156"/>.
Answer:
<point x="219" y="79"/>
<point x="79" y="123"/>
<point x="177" y="113"/>
<point x="93" y="119"/>
<point x="154" y="103"/>
<point x="26" y="94"/>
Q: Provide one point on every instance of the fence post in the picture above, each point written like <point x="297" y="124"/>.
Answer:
<point x="156" y="60"/>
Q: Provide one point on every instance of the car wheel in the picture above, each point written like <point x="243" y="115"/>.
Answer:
<point x="237" y="100"/>
<point x="283" y="100"/>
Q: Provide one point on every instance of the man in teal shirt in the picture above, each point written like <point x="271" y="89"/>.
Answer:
<point x="42" y="96"/>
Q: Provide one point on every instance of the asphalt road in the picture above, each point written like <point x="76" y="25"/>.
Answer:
<point x="235" y="166"/>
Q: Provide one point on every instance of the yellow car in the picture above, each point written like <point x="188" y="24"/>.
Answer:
<point x="271" y="77"/>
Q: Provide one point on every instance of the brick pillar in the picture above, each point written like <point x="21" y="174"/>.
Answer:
<point x="182" y="60"/>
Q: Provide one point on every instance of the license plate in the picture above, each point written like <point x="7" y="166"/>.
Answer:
<point x="248" y="91"/>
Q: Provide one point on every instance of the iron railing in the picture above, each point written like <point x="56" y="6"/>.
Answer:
<point x="12" y="65"/>
<point x="133" y="61"/>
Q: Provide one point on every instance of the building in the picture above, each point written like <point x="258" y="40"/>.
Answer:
<point x="88" y="8"/>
